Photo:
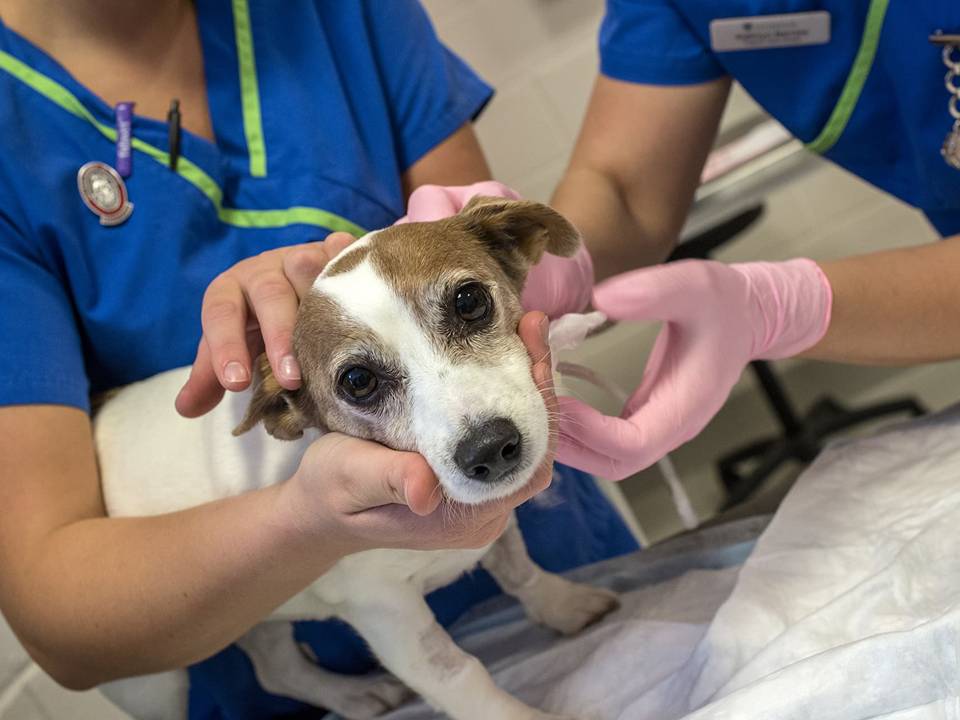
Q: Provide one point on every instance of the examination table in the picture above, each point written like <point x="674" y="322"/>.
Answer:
<point x="844" y="605"/>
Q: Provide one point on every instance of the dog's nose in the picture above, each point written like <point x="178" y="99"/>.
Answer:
<point x="489" y="451"/>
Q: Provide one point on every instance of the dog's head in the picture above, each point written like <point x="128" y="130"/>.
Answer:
<point x="409" y="338"/>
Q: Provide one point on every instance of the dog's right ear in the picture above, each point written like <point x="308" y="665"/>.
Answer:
<point x="277" y="408"/>
<point x="521" y="226"/>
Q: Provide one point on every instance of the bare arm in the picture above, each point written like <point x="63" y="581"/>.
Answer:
<point x="894" y="307"/>
<point x="635" y="167"/>
<point x="87" y="594"/>
<point x="458" y="160"/>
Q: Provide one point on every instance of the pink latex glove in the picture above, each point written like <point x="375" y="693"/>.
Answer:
<point x="717" y="318"/>
<point x="555" y="285"/>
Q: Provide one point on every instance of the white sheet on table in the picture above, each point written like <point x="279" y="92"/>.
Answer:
<point x="848" y="608"/>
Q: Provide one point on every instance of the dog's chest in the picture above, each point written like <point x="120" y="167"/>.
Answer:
<point x="153" y="461"/>
<point x="369" y="574"/>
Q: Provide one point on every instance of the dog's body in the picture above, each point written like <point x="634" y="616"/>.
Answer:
<point x="405" y="342"/>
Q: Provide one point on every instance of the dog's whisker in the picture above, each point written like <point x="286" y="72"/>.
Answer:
<point x="565" y="418"/>
<point x="455" y="513"/>
<point x="571" y="423"/>
<point x="575" y="393"/>
<point x="438" y="490"/>
<point x="542" y="357"/>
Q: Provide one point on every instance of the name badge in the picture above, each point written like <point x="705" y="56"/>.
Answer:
<point x="770" y="31"/>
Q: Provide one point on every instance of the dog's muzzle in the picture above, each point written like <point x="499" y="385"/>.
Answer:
<point x="489" y="450"/>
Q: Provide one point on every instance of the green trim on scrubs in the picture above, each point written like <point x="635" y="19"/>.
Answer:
<point x="850" y="95"/>
<point x="55" y="92"/>
<point x="249" y="91"/>
<point x="298" y="215"/>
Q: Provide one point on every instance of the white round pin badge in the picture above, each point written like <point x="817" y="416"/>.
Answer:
<point x="104" y="192"/>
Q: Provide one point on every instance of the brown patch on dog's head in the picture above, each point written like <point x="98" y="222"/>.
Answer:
<point x="514" y="233"/>
<point x="492" y="240"/>
<point x="346" y="261"/>
<point x="325" y="341"/>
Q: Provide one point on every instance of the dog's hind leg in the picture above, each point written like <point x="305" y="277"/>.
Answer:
<point x="403" y="633"/>
<point x="283" y="669"/>
<point x="548" y="598"/>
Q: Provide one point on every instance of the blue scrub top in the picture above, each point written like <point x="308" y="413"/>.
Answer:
<point x="317" y="108"/>
<point x="892" y="119"/>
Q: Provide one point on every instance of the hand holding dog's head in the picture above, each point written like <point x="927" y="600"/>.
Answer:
<point x="410" y="338"/>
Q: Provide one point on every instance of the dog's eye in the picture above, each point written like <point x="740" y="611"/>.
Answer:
<point x="472" y="302"/>
<point x="359" y="383"/>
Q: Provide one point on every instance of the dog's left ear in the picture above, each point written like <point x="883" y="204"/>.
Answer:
<point x="527" y="227"/>
<point x="280" y="410"/>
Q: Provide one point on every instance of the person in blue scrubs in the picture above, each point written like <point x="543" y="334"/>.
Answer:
<point x="298" y="120"/>
<point x="858" y="81"/>
<point x="869" y="96"/>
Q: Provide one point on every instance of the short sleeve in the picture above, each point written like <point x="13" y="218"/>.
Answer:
<point x="432" y="92"/>
<point x="41" y="357"/>
<point x="649" y="41"/>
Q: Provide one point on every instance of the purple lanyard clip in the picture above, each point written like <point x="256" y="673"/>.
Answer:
<point x="124" y="115"/>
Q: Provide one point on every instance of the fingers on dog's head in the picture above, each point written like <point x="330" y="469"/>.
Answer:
<point x="416" y="482"/>
<point x="533" y="330"/>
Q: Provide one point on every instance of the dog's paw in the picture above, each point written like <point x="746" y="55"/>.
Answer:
<point x="568" y="606"/>
<point x="360" y="698"/>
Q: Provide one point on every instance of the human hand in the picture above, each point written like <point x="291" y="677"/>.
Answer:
<point x="435" y="202"/>
<point x="717" y="318"/>
<point x="248" y="309"/>
<point x="558" y="285"/>
<point x="363" y="495"/>
<point x="555" y="285"/>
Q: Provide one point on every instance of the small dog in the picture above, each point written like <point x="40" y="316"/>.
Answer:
<point x="407" y="338"/>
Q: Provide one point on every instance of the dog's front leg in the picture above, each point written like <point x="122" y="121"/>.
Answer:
<point x="548" y="598"/>
<point x="282" y="669"/>
<point x="403" y="633"/>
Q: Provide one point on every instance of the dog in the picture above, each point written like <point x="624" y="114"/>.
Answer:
<point x="407" y="338"/>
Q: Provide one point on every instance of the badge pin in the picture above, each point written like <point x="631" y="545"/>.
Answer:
<point x="951" y="147"/>
<point x="951" y="58"/>
<point x="104" y="192"/>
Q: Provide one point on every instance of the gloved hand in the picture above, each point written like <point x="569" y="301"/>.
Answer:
<point x="717" y="318"/>
<point x="436" y="202"/>
<point x="555" y="285"/>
